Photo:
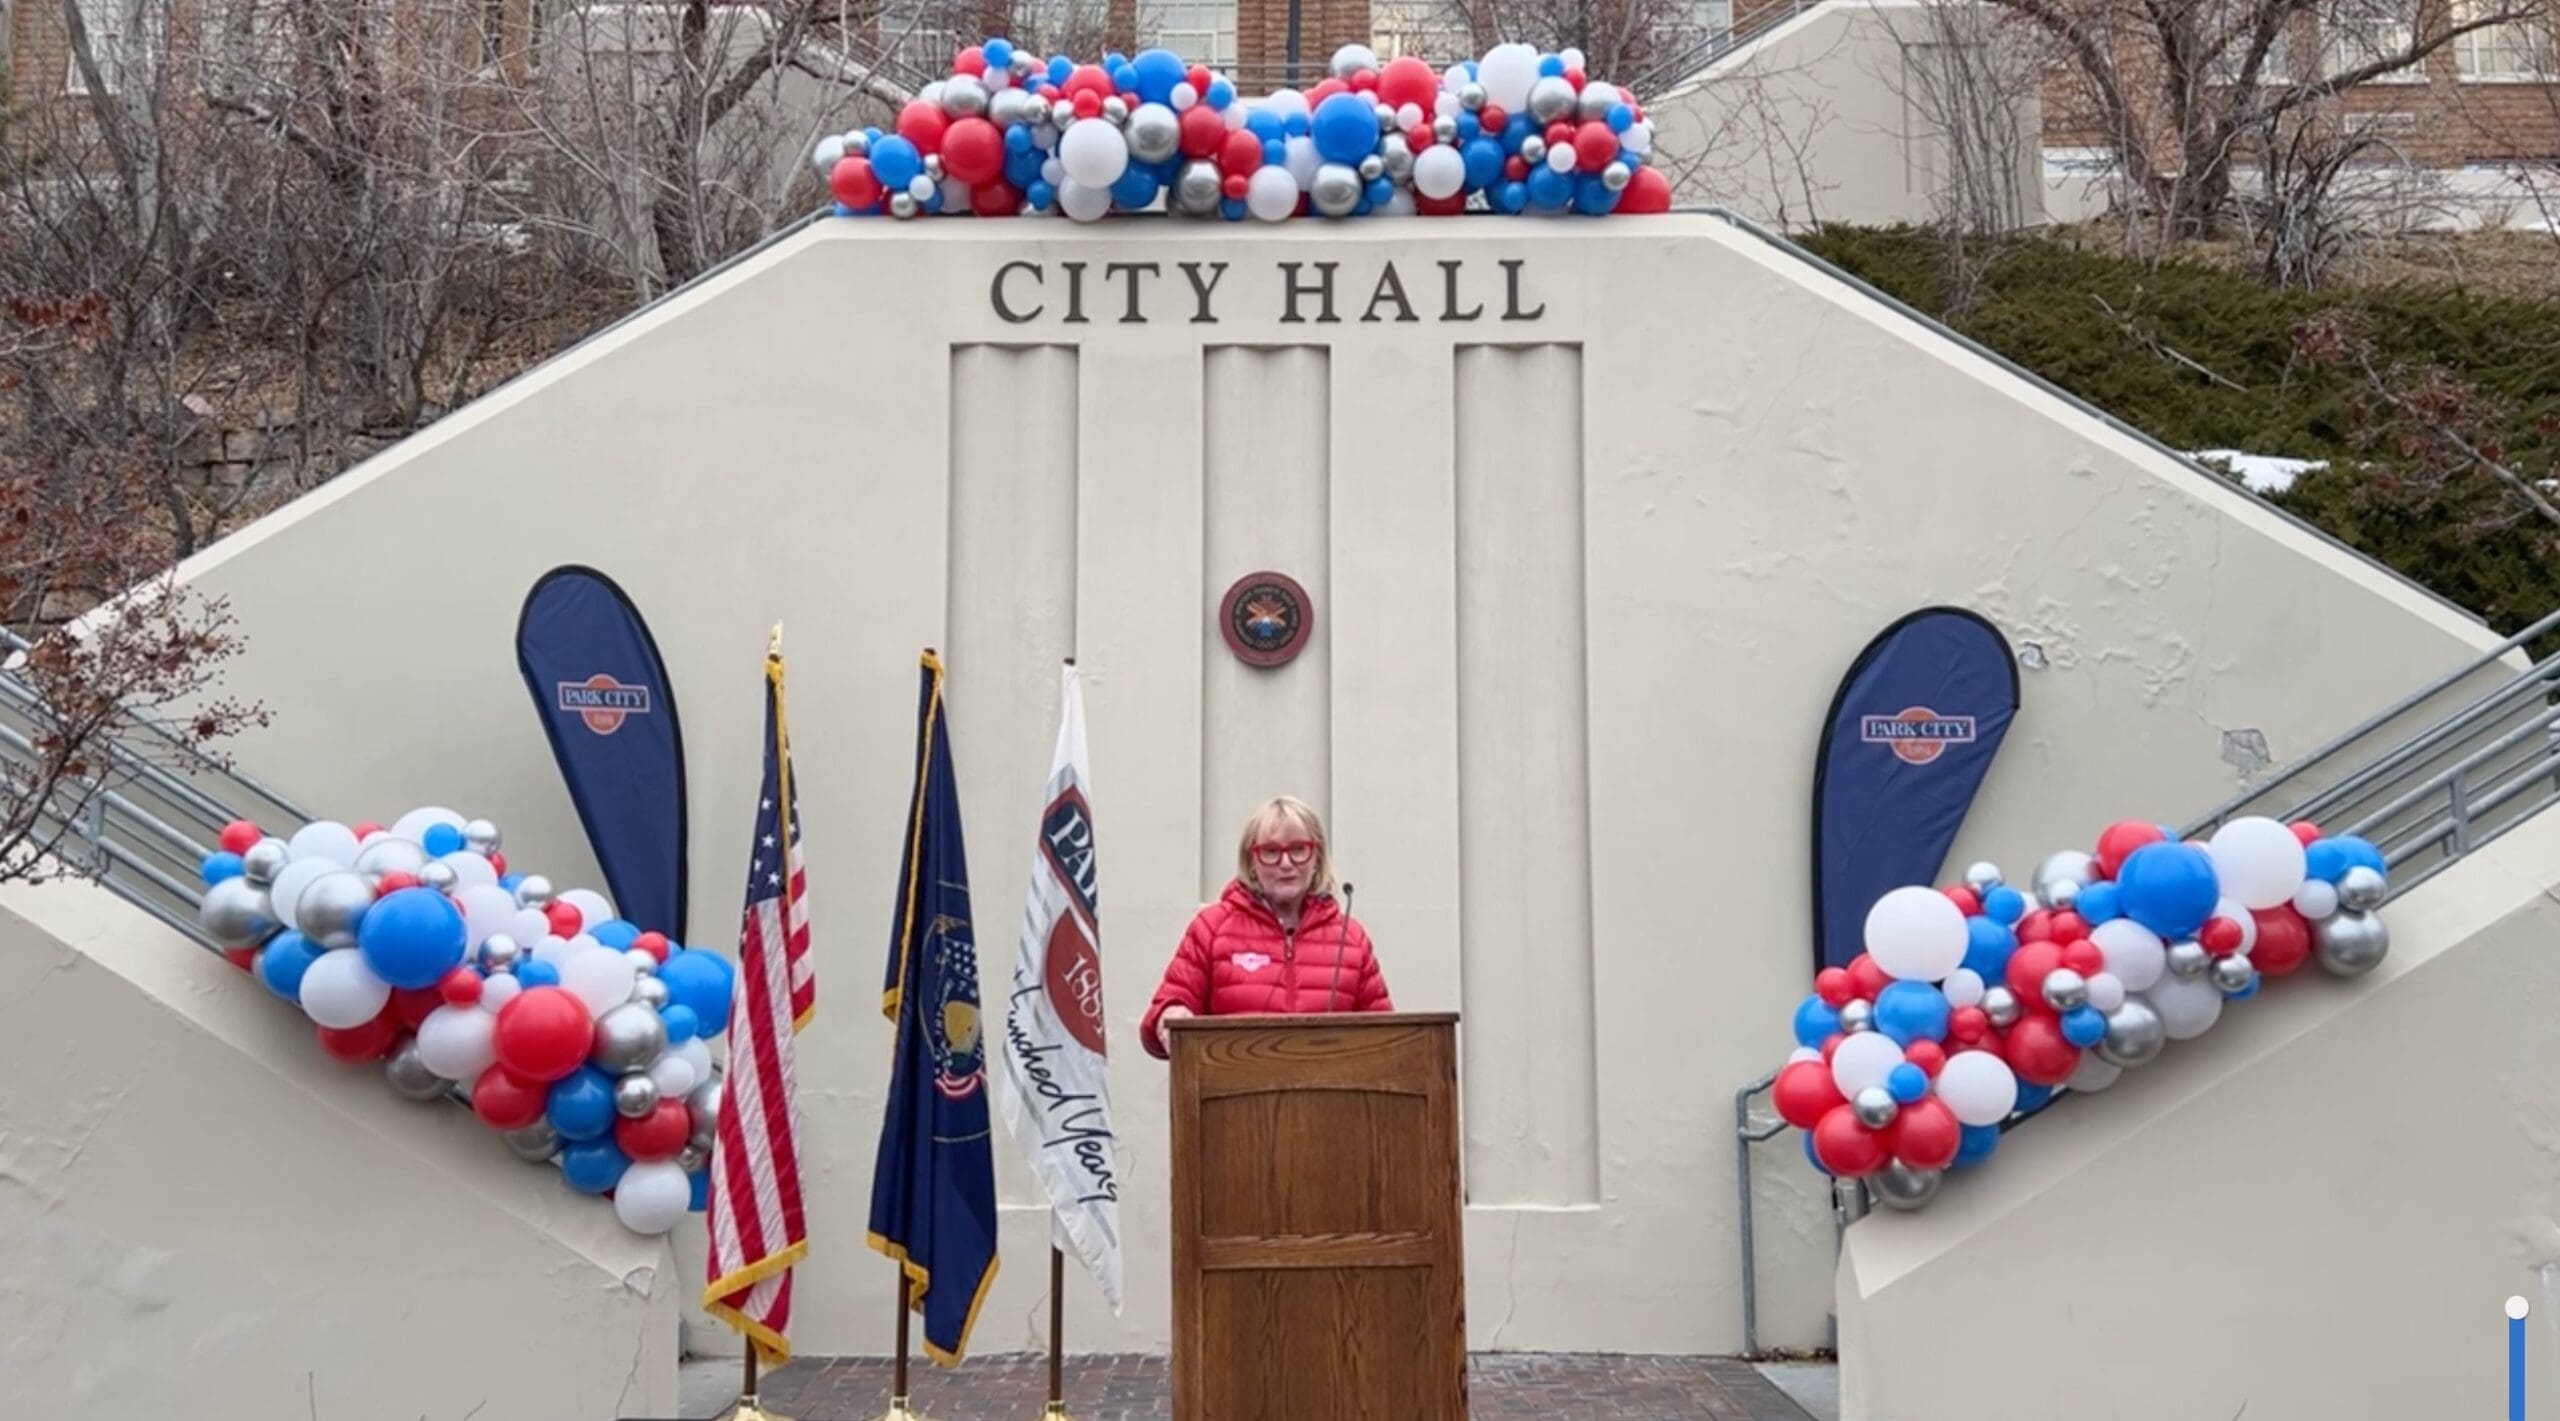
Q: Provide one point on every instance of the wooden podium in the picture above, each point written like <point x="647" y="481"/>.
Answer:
<point x="1318" y="1264"/>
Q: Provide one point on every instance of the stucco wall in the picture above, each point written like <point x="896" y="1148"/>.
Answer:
<point x="205" y="1217"/>
<point x="2318" y="1210"/>
<point x="1583" y="586"/>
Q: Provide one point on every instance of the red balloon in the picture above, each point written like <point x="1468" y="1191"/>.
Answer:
<point x="1516" y="168"/>
<point x="460" y="988"/>
<point x="498" y="861"/>
<point x="393" y="882"/>
<point x="240" y="836"/>
<point x="1926" y="1133"/>
<point x="504" y="1102"/>
<point x="1407" y="80"/>
<point x="973" y="151"/>
<point x="1991" y="1045"/>
<point x="1929" y="1056"/>
<point x="366" y="831"/>
<point x="1847" y="1148"/>
<point x="1203" y="130"/>
<point x="2034" y="927"/>
<point x="1239" y="154"/>
<point x="1965" y="1025"/>
<point x="1559" y="134"/>
<point x="1493" y="118"/>
<point x="1089" y="79"/>
<point x="1647" y="191"/>
<point x="654" y="944"/>
<point x="2068" y="926"/>
<point x="2119" y="842"/>
<point x="1966" y="900"/>
<point x="1419" y="137"/>
<point x="1576" y="79"/>
<point x="2304" y="830"/>
<point x="2029" y="966"/>
<point x="658" y="1135"/>
<point x="923" y="125"/>
<point x="1365" y="82"/>
<point x="2284" y="940"/>
<point x="853" y="185"/>
<point x="369" y="1042"/>
<point x="1326" y="90"/>
<point x="2084" y="958"/>
<point x="543" y="1034"/>
<point x="2038" y="1051"/>
<point x="1832" y="984"/>
<point x="1199" y="78"/>
<point x="1831" y="1044"/>
<point x="410" y="1005"/>
<point x="2220" y="936"/>
<point x="1088" y="104"/>
<point x="565" y="919"/>
<point x="1235" y="186"/>
<point x="1597" y="145"/>
<point x="972" y="60"/>
<point x="1867" y="977"/>
<point x="995" y="198"/>
<point x="244" y="958"/>
<point x="1804" y="1093"/>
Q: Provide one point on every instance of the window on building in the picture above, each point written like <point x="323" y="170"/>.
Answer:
<point x="1201" y="31"/>
<point x="2236" y="22"/>
<point x="921" y="34"/>
<point x="2357" y="33"/>
<point x="1435" y="30"/>
<point x="2510" y="50"/>
<point x="117" y="59"/>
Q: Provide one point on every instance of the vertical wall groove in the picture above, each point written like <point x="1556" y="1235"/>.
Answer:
<point x="1265" y="451"/>
<point x="1531" y="1074"/>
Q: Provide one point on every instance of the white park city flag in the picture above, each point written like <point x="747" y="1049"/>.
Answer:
<point x="1056" y="1102"/>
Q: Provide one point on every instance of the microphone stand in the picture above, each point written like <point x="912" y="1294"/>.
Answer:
<point x="1341" y="943"/>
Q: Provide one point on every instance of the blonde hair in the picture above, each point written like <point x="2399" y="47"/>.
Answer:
<point x="1295" y="815"/>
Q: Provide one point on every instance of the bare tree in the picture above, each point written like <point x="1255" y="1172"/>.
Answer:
<point x="1969" y="86"/>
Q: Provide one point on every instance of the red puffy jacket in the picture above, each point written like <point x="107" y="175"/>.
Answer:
<point x="1237" y="960"/>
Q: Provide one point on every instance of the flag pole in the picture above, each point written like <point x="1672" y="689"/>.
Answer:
<point x="898" y="1408"/>
<point x="1057" y="1408"/>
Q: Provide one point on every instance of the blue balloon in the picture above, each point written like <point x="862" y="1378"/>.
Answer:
<point x="2361" y="854"/>
<point x="1345" y="128"/>
<point x="1549" y="190"/>
<point x="1136" y="188"/>
<point x="702" y="981"/>
<point x="2004" y="905"/>
<point x="1594" y="197"/>
<point x="1469" y="126"/>
<point x="593" y="1166"/>
<point x="1811" y="1158"/>
<point x="1484" y="162"/>
<point x="2245" y="993"/>
<point x="2033" y="1097"/>
<point x="1620" y="118"/>
<point x="1157" y="72"/>
<point x="1987" y="948"/>
<point x="536" y="974"/>
<point x="1974" y="1143"/>
<point x="1511" y="197"/>
<point x="510" y="881"/>
<point x="895" y="161"/>
<point x="1297" y="125"/>
<point x="700" y="1180"/>
<point x="838" y="209"/>
<point x="2168" y="888"/>
<point x="1550" y="65"/>
<point x="1231" y="208"/>
<point x="1516" y="128"/>
<point x="1265" y="125"/>
<point x="682" y="1024"/>
<point x="411" y="938"/>
<point x="2325" y="860"/>
<point x="1907" y="1082"/>
<point x="2084" y="1026"/>
<point x="616" y="934"/>
<point x="1275" y="153"/>
<point x="1908" y="1012"/>
<point x="1041" y="196"/>
<point x="932" y="201"/>
<point x="282" y="962"/>
<point x="1221" y="94"/>
<point x="999" y="53"/>
<point x="1059" y="68"/>
<point x="2099" y="903"/>
<point x="1815" y="1021"/>
<point x="441" y="839"/>
<point x="1381" y="191"/>
<point x="1017" y="139"/>
<point x="1114" y="59"/>
<point x="218" y="867"/>
<point x="580" y="1105"/>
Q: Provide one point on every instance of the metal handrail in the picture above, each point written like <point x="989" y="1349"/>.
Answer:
<point x="1690" y="61"/>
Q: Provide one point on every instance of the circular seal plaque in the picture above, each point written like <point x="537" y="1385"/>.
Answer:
<point x="1265" y="618"/>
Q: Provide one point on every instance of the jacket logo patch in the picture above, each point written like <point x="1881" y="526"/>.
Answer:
<point x="1253" y="961"/>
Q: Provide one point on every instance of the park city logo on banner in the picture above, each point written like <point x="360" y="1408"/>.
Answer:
<point x="1916" y="735"/>
<point x="601" y="702"/>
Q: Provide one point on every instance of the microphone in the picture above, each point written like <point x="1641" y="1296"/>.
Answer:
<point x="1342" y="942"/>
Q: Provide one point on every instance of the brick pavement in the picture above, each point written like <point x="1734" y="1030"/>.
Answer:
<point x="1505" y="1386"/>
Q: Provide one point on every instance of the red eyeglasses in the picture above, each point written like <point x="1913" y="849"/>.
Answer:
<point x="1296" y="851"/>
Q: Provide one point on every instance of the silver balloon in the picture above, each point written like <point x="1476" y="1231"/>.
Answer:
<point x="642" y="964"/>
<point x="1372" y="168"/>
<point x="1982" y="877"/>
<point x="634" y="1095"/>
<point x="330" y="907"/>
<point x="1596" y="99"/>
<point x="410" y="1077"/>
<point x="1197" y="191"/>
<point x="1154" y="133"/>
<point x="857" y="144"/>
<point x="649" y="991"/>
<point x="2065" y="989"/>
<point x="2188" y="959"/>
<point x="693" y="1157"/>
<point x="2070" y="866"/>
<point x="1336" y="190"/>
<point x="1858" y="1016"/>
<point x="705" y="1105"/>
<point x="1063" y="112"/>
<point x="932" y="170"/>
<point x="1386" y="119"/>
<point x="963" y="96"/>
<point x="2061" y="895"/>
<point x="2350" y="944"/>
<point x="499" y="954"/>
<point x="2361" y="890"/>
<point x="535" y="892"/>
<point x="2234" y="973"/>
<point x="1551" y="98"/>
<point x="1445" y="128"/>
<point x="1116" y="109"/>
<point x="629" y="1038"/>
<point x="828" y="153"/>
<point x="1616" y="176"/>
<point x="265" y="859"/>
<point x="1533" y="150"/>
<point x="1899" y="1186"/>
<point x="481" y="837"/>
<point x="235" y="913"/>
<point x="535" y="1143"/>
<point x="1875" y="1107"/>
<point x="390" y="855"/>
<point x="2000" y="1006"/>
<point x="1011" y="108"/>
<point x="2135" y="1035"/>
<point x="439" y="876"/>
<point x="1395" y="158"/>
<point x="1471" y="96"/>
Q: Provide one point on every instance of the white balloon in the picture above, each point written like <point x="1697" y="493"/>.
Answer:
<point x="830" y="152"/>
<point x="1287" y="103"/>
<point x="1082" y="203"/>
<point x="324" y="840"/>
<point x="1638" y="139"/>
<point x="2106" y="992"/>
<point x="1916" y="934"/>
<point x="1095" y="153"/>
<point x="1271" y="194"/>
<point x="2094" y="1073"/>
<point x="1507" y="73"/>
<point x="2231" y="908"/>
<point x="1803" y="1053"/>
<point x="2314" y="900"/>
<point x="697" y="1054"/>
<point x="1184" y="96"/>
<point x="527" y="926"/>
<point x="1302" y="160"/>
<point x="471" y="870"/>
<point x="2188" y="1006"/>
<point x="1409" y="117"/>
<point x="1399" y="204"/>
<point x="594" y="909"/>
<point x="1865" y="1058"/>
<point x="413" y="825"/>
<point x="1978" y="1087"/>
<point x="1572" y="58"/>
<point x="486" y="909"/>
<point x="2135" y="955"/>
<point x="652" y="1198"/>
<point x="553" y="950"/>
<point x="339" y="990"/>
<point x="497" y="992"/>
<point x="1439" y="172"/>
<point x="2257" y="861"/>
<point x="286" y="891"/>
<point x="1562" y="157"/>
<point x="1352" y="58"/>
<point x="458" y="1043"/>
<point x="598" y="976"/>
<point x="674" y="1076"/>
<point x="1964" y="988"/>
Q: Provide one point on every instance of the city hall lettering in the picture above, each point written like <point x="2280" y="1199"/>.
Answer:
<point x="1316" y="293"/>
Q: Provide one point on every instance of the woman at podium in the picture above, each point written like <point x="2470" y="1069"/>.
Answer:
<point x="1276" y="941"/>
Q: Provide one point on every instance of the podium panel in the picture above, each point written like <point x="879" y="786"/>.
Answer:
<point x="1317" y="1250"/>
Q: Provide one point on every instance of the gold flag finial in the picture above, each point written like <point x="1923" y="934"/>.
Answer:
<point x="773" y="643"/>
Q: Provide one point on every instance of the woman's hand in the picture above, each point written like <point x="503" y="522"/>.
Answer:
<point x="1173" y="1012"/>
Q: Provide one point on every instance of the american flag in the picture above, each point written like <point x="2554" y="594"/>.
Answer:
<point x="757" y="1232"/>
